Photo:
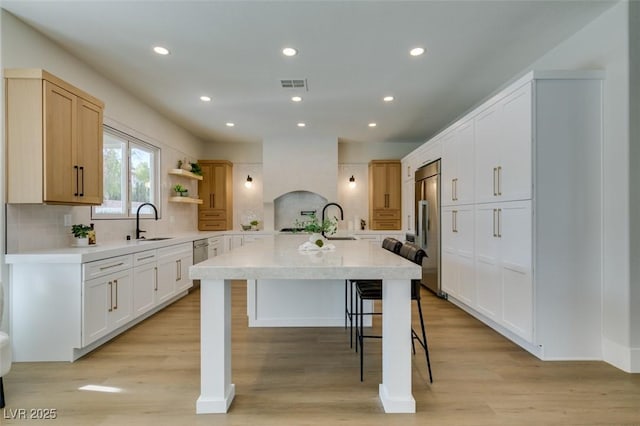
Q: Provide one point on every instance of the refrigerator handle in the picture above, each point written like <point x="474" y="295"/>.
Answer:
<point x="423" y="221"/>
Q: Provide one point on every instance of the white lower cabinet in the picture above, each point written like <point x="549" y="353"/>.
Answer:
<point x="458" y="277"/>
<point x="503" y="267"/>
<point x="106" y="303"/>
<point x="173" y="271"/>
<point x="145" y="281"/>
<point x="216" y="246"/>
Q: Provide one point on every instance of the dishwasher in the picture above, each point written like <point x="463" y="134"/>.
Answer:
<point x="200" y="254"/>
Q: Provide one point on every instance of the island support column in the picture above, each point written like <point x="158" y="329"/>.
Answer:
<point x="395" y="389"/>
<point x="216" y="389"/>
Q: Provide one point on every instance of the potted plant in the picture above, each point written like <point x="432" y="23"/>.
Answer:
<point x="254" y="225"/>
<point x="181" y="190"/>
<point x="81" y="233"/>
<point x="315" y="227"/>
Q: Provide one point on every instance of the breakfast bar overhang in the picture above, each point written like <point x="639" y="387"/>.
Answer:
<point x="278" y="258"/>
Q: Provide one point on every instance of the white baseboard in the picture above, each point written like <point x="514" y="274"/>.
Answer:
<point x="620" y="356"/>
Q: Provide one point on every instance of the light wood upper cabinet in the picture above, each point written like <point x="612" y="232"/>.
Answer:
<point x="216" y="191"/>
<point x="54" y="140"/>
<point x="385" y="194"/>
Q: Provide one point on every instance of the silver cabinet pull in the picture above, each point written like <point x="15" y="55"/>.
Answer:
<point x="453" y="189"/>
<point x="495" y="214"/>
<point x="178" y="271"/>
<point x="455" y="220"/>
<point x="102" y="268"/>
<point x="495" y="172"/>
<point x="499" y="180"/>
<point x="499" y="223"/>
<point x="110" y="296"/>
<point x="155" y="286"/>
<point x="115" y="306"/>
<point x="147" y="257"/>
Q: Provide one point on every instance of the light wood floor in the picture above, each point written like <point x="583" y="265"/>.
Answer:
<point x="309" y="376"/>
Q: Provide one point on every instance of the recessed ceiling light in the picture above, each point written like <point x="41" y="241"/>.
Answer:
<point x="388" y="98"/>
<point x="301" y="124"/>
<point x="205" y="98"/>
<point x="289" y="51"/>
<point x="230" y="124"/>
<point x="416" y="51"/>
<point x="296" y="98"/>
<point x="161" y="50"/>
<point x="373" y="124"/>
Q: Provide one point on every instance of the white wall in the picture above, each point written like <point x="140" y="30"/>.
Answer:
<point x="39" y="227"/>
<point x="604" y="44"/>
<point x="634" y="182"/>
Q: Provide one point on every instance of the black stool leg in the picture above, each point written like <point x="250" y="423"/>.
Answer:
<point x="424" y="340"/>
<point x="351" y="311"/>
<point x="1" y="393"/>
<point x="361" y="342"/>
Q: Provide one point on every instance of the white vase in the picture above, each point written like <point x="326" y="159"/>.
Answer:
<point x="82" y="242"/>
<point x="315" y="237"/>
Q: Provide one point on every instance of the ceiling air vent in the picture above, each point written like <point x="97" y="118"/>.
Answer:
<point x="294" y="84"/>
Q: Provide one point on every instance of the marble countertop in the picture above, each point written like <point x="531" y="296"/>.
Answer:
<point x="120" y="248"/>
<point x="102" y="251"/>
<point x="278" y="257"/>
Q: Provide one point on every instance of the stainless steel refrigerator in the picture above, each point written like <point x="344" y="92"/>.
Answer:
<point x="427" y="228"/>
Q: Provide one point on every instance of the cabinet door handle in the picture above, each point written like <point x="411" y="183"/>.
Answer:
<point x="155" y="285"/>
<point x="213" y="200"/>
<point x="82" y="181"/>
<point x="499" y="180"/>
<point x="386" y="200"/>
<point x="75" y="194"/>
<point x="499" y="223"/>
<point x="146" y="257"/>
<point x="495" y="172"/>
<point x="177" y="270"/>
<point x="495" y="234"/>
<point x="102" y="268"/>
<point x="115" y="306"/>
<point x="110" y="296"/>
<point x="453" y="189"/>
<point x="455" y="221"/>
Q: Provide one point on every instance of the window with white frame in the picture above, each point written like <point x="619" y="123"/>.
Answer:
<point x="131" y="176"/>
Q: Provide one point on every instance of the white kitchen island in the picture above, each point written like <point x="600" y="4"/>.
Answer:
<point x="278" y="258"/>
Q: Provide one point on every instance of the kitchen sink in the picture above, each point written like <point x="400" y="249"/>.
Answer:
<point x="155" y="239"/>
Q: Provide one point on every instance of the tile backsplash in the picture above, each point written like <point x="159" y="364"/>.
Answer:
<point x="41" y="227"/>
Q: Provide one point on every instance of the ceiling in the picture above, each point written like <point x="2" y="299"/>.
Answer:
<point x="351" y="54"/>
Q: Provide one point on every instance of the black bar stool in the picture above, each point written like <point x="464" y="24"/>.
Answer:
<point x="372" y="290"/>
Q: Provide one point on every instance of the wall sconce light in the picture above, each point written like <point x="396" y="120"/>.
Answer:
<point x="352" y="182"/>
<point x="249" y="182"/>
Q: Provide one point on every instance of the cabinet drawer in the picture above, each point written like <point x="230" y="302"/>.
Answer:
<point x="386" y="214"/>
<point x="212" y="225"/>
<point x="175" y="250"/>
<point x="106" y="266"/>
<point x="385" y="224"/>
<point x="144" y="257"/>
<point x="212" y="215"/>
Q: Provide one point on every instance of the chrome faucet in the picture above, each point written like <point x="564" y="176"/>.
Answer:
<point x="325" y="208"/>
<point x="138" y="230"/>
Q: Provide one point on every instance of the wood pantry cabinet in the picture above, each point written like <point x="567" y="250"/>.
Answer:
<point x="385" y="186"/>
<point x="216" y="191"/>
<point x="55" y="129"/>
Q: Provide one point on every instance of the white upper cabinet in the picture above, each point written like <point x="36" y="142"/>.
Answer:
<point x="503" y="147"/>
<point x="458" y="165"/>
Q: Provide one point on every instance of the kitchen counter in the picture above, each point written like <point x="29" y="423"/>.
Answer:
<point x="278" y="258"/>
<point x="122" y="247"/>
